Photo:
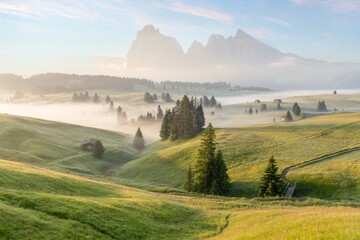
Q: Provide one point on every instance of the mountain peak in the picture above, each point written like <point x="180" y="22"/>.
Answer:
<point x="150" y="29"/>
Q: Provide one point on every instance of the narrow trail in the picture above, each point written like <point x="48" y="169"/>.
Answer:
<point x="291" y="186"/>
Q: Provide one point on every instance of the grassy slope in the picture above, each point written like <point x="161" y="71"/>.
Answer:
<point x="335" y="178"/>
<point x="246" y="151"/>
<point x="37" y="203"/>
<point x="41" y="204"/>
<point x="57" y="145"/>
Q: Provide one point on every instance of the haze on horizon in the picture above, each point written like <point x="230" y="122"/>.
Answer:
<point x="97" y="37"/>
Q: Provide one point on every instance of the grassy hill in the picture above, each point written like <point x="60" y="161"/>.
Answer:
<point x="246" y="151"/>
<point x="36" y="203"/>
<point x="39" y="203"/>
<point x="57" y="145"/>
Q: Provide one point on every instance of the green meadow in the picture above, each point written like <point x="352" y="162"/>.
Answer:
<point x="51" y="189"/>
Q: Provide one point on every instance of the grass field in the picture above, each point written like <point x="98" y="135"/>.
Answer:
<point x="41" y="197"/>
<point x="246" y="151"/>
<point x="57" y="145"/>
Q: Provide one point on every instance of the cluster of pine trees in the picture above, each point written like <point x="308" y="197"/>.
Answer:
<point x="148" y="117"/>
<point x="210" y="172"/>
<point x="121" y="116"/>
<point x="184" y="121"/>
<point x="166" y="97"/>
<point x="210" y="103"/>
<point x="321" y="106"/>
<point x="84" y="97"/>
<point x="150" y="98"/>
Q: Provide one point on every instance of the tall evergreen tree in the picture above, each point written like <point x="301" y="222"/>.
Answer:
<point x="220" y="184"/>
<point x="288" y="117"/>
<point x="98" y="150"/>
<point x="186" y="121"/>
<point x="138" y="142"/>
<point x="199" y="121"/>
<point x="188" y="186"/>
<point x="167" y="97"/>
<point x="321" y="107"/>
<point x="206" y="101"/>
<point x="250" y="111"/>
<point x="296" y="109"/>
<point x="160" y="114"/>
<point x="165" y="126"/>
<point x="271" y="182"/>
<point x="212" y="101"/>
<point x="107" y="99"/>
<point x="205" y="161"/>
<point x="278" y="107"/>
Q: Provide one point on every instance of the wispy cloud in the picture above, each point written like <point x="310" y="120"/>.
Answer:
<point x="336" y="5"/>
<point x="201" y="12"/>
<point x="277" y="21"/>
<point x="40" y="9"/>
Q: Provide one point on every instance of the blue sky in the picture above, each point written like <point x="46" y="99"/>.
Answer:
<point x="35" y="32"/>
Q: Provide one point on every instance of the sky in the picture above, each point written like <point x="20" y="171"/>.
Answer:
<point x="93" y="36"/>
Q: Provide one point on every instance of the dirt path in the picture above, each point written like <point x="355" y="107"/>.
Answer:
<point x="291" y="186"/>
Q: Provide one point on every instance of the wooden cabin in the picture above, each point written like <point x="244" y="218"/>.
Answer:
<point x="88" y="144"/>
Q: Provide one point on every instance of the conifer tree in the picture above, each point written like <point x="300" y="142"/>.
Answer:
<point x="186" y="121"/>
<point x="199" y="121"/>
<point x="188" y="186"/>
<point x="220" y="183"/>
<point x="212" y="101"/>
<point x="271" y="182"/>
<point x="296" y="109"/>
<point x="160" y="114"/>
<point x="107" y="99"/>
<point x="250" y="111"/>
<point x="165" y="126"/>
<point x="205" y="160"/>
<point x="111" y="106"/>
<point x="288" y="117"/>
<point x="96" y="98"/>
<point x="138" y="142"/>
<point x="278" y="107"/>
<point x="98" y="150"/>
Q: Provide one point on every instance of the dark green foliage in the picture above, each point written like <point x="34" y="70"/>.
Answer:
<point x="296" y="109"/>
<point x="160" y="114"/>
<point x="278" y="107"/>
<point x="98" y="150"/>
<point x="167" y="97"/>
<point x="271" y="182"/>
<point x="321" y="107"/>
<point x="250" y="111"/>
<point x="199" y="120"/>
<point x="212" y="101"/>
<point x="165" y="126"/>
<point x="210" y="175"/>
<point x="206" y="101"/>
<point x="220" y="184"/>
<point x="148" y="117"/>
<point x="188" y="186"/>
<point x="148" y="98"/>
<point x="288" y="117"/>
<point x="205" y="161"/>
<point x="183" y="122"/>
<point x="139" y="142"/>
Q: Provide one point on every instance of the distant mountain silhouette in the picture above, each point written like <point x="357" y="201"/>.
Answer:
<point x="240" y="58"/>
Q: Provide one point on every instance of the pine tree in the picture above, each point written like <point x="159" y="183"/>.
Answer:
<point x="271" y="182"/>
<point x="98" y="150"/>
<point x="288" y="117"/>
<point x="296" y="109"/>
<point x="167" y="97"/>
<point x="220" y="184"/>
<point x="199" y="120"/>
<point x="189" y="181"/>
<point x="278" y="107"/>
<point x="165" y="126"/>
<point x="139" y="142"/>
<point x="186" y="121"/>
<point x="321" y="107"/>
<point x="250" y="111"/>
<point x="212" y="101"/>
<point x="160" y="114"/>
<point x="107" y="99"/>
<point x="205" y="160"/>
<point x="206" y="101"/>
